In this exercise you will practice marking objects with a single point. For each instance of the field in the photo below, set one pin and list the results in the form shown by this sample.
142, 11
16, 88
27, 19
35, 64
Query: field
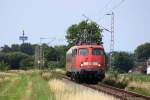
43, 85
25, 86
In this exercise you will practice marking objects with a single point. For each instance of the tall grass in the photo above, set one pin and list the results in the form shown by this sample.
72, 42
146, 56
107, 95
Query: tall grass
40, 89
16, 89
25, 85
4, 85
139, 87
138, 77
139, 83
65, 90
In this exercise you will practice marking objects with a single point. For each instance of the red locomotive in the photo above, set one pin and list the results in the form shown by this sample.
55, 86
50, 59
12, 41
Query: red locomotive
86, 61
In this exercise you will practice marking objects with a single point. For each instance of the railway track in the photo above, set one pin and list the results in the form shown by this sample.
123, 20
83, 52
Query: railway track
118, 93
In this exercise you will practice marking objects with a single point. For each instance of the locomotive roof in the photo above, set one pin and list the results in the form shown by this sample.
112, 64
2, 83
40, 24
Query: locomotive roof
87, 46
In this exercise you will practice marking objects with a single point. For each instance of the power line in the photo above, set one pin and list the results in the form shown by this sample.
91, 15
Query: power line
112, 9
117, 5
94, 21
106, 5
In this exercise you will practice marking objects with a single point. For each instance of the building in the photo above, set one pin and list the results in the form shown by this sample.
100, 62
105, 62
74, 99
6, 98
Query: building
137, 69
148, 66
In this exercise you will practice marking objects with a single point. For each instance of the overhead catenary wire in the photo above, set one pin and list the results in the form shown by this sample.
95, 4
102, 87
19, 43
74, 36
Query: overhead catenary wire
105, 6
95, 21
117, 5
111, 10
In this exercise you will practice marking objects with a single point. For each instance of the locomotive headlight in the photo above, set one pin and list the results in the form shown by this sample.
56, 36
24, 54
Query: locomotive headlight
81, 65
99, 65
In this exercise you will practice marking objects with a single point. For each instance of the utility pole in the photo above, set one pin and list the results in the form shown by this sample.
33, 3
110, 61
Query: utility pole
39, 54
37, 57
112, 38
112, 33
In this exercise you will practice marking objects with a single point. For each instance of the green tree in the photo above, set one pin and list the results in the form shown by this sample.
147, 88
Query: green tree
15, 58
51, 54
55, 55
15, 47
142, 52
6, 48
85, 31
122, 61
61, 49
27, 63
4, 57
27, 48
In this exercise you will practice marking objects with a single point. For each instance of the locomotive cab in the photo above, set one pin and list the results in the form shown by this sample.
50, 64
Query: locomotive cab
86, 61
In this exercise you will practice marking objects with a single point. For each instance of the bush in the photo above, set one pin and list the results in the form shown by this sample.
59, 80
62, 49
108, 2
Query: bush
113, 79
3, 66
53, 64
13, 58
113, 74
27, 63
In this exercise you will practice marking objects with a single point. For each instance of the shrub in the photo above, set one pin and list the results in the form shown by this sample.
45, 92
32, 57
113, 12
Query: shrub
27, 63
52, 64
3, 66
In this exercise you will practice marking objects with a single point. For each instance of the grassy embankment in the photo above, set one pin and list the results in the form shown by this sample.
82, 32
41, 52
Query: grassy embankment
66, 90
138, 83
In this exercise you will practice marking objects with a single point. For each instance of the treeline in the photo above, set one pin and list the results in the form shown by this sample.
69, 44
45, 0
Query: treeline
124, 61
22, 56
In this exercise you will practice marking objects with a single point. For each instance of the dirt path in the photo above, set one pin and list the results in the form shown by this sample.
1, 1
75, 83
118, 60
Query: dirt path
28, 92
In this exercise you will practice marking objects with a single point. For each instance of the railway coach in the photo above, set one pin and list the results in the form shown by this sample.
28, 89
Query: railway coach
86, 62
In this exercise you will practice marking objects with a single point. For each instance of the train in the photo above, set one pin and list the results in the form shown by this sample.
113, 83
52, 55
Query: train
86, 62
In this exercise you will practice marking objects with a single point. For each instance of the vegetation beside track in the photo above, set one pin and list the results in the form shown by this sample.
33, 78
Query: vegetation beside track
67, 90
138, 83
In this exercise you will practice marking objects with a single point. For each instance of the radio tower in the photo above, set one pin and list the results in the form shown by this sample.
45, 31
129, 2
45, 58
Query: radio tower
23, 38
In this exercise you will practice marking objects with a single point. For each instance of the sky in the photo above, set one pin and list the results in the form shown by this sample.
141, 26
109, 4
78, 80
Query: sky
51, 18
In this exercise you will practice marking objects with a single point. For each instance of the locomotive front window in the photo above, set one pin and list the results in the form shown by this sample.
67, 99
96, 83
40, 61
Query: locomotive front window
97, 51
83, 51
